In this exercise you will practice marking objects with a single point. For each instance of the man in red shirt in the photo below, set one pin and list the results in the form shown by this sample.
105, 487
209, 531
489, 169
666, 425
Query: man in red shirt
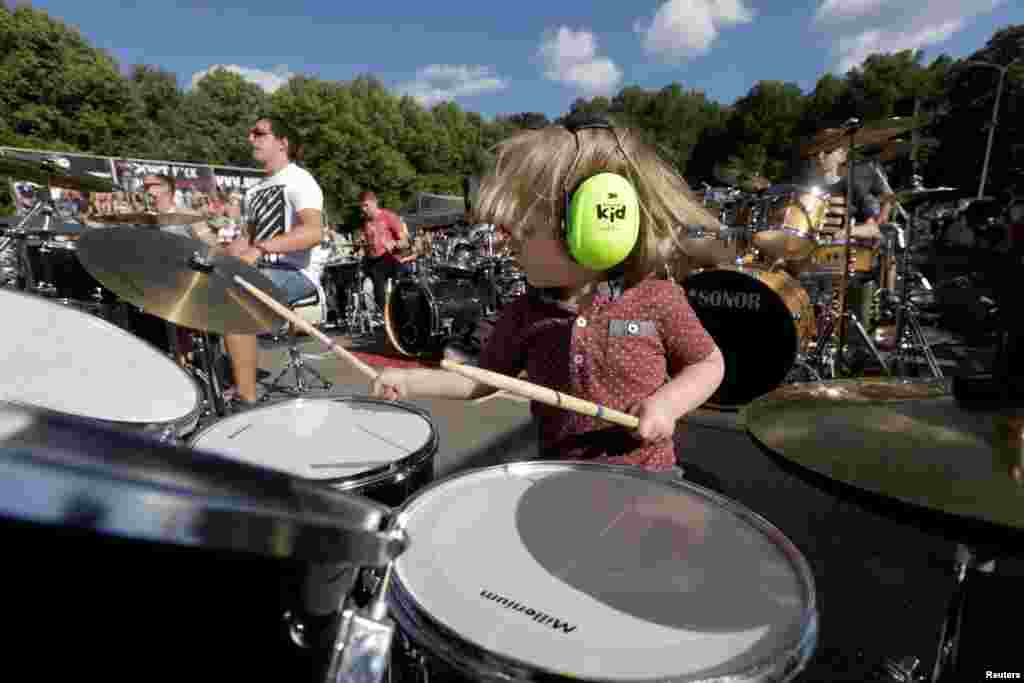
385, 236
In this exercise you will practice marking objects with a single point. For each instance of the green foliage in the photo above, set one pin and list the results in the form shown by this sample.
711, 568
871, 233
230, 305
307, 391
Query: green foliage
61, 93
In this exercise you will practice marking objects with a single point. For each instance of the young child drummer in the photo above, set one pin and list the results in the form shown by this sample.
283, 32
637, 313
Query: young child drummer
590, 212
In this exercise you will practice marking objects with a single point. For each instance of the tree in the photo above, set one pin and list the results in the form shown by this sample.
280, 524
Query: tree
59, 92
216, 116
963, 120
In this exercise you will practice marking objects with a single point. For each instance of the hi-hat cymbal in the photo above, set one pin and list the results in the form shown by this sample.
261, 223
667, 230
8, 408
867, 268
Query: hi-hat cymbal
178, 279
910, 441
866, 133
148, 218
48, 173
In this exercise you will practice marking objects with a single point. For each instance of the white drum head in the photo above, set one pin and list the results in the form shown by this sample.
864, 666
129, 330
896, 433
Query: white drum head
320, 438
62, 359
599, 573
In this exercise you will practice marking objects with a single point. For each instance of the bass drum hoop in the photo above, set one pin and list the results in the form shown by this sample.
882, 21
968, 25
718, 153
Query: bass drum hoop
425, 633
389, 327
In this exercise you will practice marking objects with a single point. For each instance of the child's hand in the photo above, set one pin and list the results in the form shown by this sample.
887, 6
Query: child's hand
391, 385
657, 419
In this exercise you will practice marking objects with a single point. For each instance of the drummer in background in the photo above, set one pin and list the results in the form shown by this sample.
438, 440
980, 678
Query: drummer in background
617, 335
284, 222
872, 197
160, 191
386, 236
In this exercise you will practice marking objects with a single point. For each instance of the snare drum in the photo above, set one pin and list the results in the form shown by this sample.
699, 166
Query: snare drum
760, 320
792, 217
378, 449
65, 360
573, 571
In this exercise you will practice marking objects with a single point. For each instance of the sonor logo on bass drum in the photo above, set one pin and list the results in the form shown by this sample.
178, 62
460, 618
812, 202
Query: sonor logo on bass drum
720, 298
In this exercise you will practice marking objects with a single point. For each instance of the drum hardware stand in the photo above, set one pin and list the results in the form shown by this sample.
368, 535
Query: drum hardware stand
359, 317
297, 363
907, 314
361, 650
207, 373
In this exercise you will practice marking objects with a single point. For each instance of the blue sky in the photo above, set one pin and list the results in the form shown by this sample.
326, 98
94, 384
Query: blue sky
531, 55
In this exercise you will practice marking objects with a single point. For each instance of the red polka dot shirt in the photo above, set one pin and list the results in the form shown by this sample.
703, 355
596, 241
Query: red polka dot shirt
616, 352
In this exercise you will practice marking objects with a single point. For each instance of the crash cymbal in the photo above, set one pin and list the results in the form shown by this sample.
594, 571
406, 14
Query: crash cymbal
906, 440
866, 133
148, 218
178, 279
49, 173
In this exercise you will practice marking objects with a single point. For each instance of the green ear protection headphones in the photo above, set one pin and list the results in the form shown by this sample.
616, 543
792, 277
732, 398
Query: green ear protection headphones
601, 216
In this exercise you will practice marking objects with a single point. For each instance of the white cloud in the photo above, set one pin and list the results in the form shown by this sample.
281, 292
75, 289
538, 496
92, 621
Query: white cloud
571, 57
268, 80
860, 28
444, 82
685, 28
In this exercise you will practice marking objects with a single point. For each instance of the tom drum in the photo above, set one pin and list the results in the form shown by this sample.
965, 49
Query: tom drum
639, 579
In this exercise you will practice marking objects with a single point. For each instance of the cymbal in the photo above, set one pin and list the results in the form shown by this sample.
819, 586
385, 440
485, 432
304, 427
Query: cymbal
181, 280
866, 133
148, 218
906, 440
49, 173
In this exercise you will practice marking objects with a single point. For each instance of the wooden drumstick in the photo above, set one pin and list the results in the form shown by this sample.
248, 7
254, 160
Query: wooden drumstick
288, 315
535, 392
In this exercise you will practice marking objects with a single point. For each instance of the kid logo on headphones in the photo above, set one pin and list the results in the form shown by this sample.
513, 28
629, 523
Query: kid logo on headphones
611, 210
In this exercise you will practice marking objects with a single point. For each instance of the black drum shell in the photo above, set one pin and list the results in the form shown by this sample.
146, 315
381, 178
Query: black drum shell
760, 321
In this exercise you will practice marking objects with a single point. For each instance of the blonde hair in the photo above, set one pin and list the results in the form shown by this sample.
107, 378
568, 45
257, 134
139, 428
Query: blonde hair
524, 190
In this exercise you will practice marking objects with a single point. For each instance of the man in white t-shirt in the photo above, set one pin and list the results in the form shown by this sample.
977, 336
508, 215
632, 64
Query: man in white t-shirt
282, 217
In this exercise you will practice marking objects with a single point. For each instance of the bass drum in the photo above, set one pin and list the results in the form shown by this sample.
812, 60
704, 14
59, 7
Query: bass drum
420, 316
760, 320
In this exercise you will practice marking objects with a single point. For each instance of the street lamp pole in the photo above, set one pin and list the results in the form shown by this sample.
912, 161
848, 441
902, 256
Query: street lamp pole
995, 118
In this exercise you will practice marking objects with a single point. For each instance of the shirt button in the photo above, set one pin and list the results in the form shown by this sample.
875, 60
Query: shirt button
578, 359
581, 322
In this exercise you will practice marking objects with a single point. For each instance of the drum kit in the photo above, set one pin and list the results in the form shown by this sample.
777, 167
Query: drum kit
452, 278
784, 259
346, 560
210, 539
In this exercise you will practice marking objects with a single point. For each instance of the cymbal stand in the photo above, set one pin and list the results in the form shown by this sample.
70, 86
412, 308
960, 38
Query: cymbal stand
907, 319
359, 316
206, 369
